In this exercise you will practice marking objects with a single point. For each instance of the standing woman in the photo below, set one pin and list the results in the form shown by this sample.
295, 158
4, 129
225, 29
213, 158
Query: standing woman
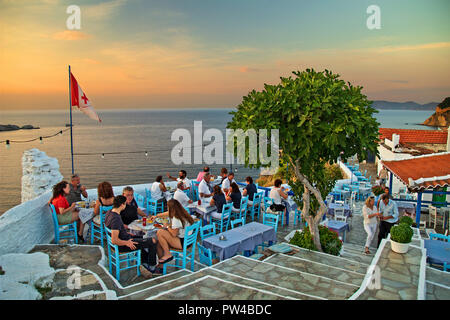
370, 221
65, 214
173, 236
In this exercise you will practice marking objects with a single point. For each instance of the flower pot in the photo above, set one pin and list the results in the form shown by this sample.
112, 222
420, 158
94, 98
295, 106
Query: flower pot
399, 247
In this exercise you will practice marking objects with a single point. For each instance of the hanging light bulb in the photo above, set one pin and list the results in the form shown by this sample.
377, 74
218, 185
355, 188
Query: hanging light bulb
60, 132
146, 153
40, 138
103, 156
7, 144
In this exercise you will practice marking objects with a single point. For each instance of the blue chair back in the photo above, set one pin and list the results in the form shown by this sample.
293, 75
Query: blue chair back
97, 230
224, 221
132, 259
271, 220
140, 200
188, 253
207, 231
256, 206
438, 236
69, 232
195, 195
236, 222
205, 255
267, 203
243, 208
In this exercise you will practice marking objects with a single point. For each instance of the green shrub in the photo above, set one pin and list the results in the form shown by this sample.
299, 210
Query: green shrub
377, 190
407, 220
402, 233
329, 240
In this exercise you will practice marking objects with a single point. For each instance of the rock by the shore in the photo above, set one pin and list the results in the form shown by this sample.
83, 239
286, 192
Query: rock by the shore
441, 118
12, 127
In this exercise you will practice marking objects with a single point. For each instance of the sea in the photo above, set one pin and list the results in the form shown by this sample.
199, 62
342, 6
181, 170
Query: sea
128, 147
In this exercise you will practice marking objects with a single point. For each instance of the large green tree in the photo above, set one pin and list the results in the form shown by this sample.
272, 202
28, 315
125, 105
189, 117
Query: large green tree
320, 118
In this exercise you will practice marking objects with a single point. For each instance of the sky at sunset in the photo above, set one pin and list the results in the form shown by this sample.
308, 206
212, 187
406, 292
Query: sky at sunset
209, 53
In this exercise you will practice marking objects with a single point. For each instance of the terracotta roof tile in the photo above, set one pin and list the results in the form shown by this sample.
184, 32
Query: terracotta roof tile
415, 136
435, 168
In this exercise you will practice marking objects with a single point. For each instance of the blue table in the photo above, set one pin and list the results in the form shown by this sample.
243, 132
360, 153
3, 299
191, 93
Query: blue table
339, 226
438, 251
244, 238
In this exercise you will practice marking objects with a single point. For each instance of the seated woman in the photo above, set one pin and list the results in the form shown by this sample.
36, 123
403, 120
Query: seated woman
235, 196
277, 194
173, 235
217, 200
105, 196
65, 214
249, 190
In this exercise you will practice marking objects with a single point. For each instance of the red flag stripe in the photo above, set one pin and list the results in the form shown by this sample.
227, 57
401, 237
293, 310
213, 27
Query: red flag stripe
74, 90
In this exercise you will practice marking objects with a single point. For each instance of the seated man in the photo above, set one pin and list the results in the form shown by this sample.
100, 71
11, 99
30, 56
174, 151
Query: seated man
181, 177
76, 190
204, 188
227, 183
202, 173
181, 196
131, 211
127, 242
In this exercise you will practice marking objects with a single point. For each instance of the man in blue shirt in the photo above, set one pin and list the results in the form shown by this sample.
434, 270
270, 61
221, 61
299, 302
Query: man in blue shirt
388, 215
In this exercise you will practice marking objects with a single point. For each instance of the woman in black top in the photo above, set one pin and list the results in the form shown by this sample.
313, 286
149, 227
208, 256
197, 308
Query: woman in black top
235, 196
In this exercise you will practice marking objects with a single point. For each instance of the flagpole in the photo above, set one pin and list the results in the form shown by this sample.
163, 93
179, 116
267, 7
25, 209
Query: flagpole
70, 108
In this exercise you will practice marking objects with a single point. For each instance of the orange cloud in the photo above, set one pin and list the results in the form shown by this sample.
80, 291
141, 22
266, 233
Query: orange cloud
70, 35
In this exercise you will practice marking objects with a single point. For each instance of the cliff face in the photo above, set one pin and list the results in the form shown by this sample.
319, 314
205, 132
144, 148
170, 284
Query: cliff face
441, 118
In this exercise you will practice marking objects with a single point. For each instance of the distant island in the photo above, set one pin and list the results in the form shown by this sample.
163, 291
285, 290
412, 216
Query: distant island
410, 105
12, 127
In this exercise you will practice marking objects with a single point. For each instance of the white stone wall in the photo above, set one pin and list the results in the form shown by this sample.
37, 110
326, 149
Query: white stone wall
39, 173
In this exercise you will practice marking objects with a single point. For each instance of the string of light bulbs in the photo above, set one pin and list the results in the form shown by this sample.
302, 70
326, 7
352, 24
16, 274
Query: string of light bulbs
41, 138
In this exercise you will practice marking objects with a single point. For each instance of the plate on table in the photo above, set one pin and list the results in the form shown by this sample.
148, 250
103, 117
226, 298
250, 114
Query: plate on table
162, 220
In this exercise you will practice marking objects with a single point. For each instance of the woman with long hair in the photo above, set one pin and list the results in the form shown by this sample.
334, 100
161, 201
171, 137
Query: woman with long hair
105, 196
172, 236
370, 221
65, 214
235, 196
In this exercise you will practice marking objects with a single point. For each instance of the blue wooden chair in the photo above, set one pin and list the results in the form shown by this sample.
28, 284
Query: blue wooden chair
255, 208
154, 207
97, 229
271, 220
194, 186
224, 221
116, 259
243, 212
207, 231
267, 203
236, 222
438, 236
182, 257
205, 255
297, 216
140, 200
63, 231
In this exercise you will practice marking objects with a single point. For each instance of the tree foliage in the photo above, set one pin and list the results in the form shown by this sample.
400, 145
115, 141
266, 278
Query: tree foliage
320, 117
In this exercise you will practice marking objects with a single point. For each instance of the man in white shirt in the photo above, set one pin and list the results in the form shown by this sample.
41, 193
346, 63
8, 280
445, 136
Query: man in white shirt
227, 182
181, 177
180, 196
388, 215
204, 189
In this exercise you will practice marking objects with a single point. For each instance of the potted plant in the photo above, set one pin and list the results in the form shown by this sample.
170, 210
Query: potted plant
401, 236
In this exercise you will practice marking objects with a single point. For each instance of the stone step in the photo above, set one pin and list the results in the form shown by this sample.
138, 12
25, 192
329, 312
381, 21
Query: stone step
159, 287
358, 247
437, 276
320, 269
437, 292
330, 260
288, 278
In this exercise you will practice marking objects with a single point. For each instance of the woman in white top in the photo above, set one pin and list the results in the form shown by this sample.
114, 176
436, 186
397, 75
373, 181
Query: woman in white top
173, 235
370, 221
277, 194
158, 188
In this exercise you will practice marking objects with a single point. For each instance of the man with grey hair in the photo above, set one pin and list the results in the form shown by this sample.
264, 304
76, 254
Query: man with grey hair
76, 190
131, 210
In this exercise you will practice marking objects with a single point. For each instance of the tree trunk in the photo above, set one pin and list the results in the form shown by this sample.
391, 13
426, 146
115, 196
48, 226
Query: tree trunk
313, 221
